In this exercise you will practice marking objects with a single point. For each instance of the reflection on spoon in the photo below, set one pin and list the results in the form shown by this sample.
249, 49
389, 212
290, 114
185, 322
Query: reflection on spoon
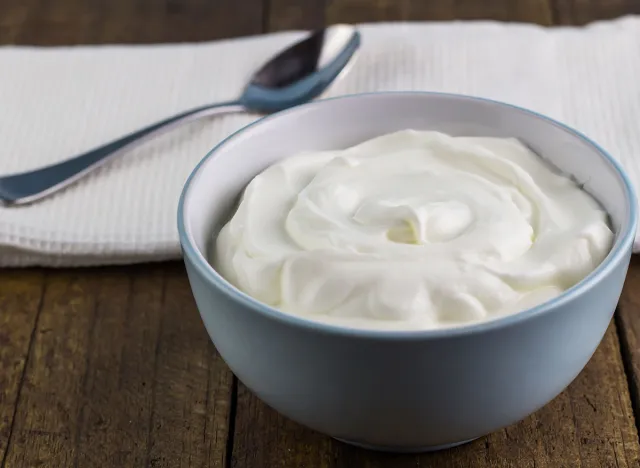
294, 76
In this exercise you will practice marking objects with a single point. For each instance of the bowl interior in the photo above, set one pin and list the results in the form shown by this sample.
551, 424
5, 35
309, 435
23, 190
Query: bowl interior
338, 123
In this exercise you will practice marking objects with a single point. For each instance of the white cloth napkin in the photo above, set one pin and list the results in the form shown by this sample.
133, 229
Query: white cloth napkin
59, 102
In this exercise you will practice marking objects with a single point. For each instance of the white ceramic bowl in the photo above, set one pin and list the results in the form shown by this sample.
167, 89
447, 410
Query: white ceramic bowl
402, 390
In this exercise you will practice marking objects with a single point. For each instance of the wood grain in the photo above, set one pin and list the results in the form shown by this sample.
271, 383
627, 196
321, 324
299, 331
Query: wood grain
45, 427
192, 386
586, 11
20, 300
356, 11
294, 14
64, 22
118, 383
628, 320
121, 373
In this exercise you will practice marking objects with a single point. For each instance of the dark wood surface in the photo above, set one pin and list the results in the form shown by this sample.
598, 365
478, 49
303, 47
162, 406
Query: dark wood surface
112, 366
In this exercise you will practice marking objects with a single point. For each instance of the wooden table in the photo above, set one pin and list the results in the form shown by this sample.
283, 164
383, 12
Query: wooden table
112, 366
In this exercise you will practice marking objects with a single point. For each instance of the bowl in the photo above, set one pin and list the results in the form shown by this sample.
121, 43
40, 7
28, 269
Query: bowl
402, 391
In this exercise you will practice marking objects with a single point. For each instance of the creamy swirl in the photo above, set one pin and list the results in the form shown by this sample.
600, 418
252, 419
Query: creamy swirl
412, 230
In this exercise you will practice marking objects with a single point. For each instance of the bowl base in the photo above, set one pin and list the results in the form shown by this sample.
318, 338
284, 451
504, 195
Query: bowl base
382, 448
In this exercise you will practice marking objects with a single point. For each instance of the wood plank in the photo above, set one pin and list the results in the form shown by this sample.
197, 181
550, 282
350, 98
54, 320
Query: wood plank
358, 11
590, 424
45, 22
292, 14
585, 11
121, 373
118, 382
45, 427
20, 299
192, 387
628, 319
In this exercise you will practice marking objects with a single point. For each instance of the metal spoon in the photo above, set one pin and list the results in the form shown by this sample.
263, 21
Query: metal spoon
294, 76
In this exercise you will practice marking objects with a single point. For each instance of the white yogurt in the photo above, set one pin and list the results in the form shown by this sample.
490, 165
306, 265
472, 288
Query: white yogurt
412, 230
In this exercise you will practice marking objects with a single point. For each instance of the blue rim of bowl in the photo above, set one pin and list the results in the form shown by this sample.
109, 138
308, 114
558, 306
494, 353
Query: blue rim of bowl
622, 244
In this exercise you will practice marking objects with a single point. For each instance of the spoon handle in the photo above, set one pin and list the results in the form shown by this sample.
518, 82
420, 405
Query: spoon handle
31, 186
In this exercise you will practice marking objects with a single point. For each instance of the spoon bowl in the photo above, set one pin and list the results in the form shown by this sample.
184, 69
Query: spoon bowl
303, 71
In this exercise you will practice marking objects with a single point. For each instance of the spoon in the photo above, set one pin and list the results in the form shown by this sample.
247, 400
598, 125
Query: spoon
296, 75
